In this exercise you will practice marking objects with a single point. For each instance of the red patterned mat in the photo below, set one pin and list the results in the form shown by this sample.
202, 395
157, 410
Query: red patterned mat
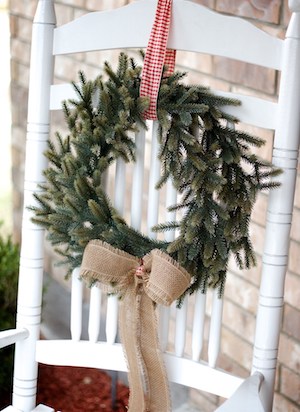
71, 389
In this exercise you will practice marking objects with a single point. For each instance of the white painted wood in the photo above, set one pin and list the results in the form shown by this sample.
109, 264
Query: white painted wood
11, 336
198, 326
138, 181
94, 314
247, 395
164, 312
31, 265
180, 328
76, 305
294, 5
215, 329
171, 199
200, 376
43, 408
100, 355
111, 327
163, 331
279, 216
224, 36
179, 370
111, 319
253, 110
154, 175
120, 186
60, 93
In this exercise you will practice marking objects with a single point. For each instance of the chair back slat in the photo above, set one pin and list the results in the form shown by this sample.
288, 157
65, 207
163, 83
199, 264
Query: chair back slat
94, 314
120, 189
138, 181
111, 327
180, 328
253, 110
76, 305
163, 327
154, 175
234, 38
171, 199
215, 329
198, 326
233, 35
170, 216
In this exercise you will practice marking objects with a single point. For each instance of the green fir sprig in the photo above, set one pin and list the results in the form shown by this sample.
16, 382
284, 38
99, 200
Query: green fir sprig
210, 164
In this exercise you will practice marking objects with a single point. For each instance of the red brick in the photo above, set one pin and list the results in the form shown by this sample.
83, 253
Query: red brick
260, 209
257, 236
294, 257
291, 321
290, 384
289, 353
104, 4
286, 13
20, 51
64, 14
239, 320
13, 23
292, 289
205, 401
265, 10
297, 194
295, 229
236, 348
194, 61
206, 3
247, 74
281, 404
24, 29
242, 293
73, 3
23, 8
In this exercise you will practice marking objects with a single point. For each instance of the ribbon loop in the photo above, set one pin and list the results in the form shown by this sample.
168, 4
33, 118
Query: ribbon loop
156, 56
157, 279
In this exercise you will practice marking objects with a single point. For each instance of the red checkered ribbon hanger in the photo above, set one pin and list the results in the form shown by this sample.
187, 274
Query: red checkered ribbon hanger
157, 56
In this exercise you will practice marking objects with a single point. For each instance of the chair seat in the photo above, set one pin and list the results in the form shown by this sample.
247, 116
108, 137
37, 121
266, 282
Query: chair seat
107, 356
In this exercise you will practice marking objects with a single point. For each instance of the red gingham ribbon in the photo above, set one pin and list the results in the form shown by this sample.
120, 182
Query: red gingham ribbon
157, 56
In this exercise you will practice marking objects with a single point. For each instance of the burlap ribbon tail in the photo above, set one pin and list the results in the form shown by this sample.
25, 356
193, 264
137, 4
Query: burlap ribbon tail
140, 284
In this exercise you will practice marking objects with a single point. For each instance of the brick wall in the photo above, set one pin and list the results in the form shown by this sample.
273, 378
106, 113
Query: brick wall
242, 288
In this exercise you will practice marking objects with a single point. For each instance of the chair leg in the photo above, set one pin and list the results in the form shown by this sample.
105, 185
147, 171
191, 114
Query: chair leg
114, 378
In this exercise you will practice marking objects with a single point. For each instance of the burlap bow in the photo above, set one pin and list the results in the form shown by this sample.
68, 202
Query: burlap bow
155, 279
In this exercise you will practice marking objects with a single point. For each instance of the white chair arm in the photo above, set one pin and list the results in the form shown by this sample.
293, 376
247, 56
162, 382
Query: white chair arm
246, 397
11, 336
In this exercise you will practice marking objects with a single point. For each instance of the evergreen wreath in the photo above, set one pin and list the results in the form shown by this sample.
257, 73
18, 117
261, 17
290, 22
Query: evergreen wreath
210, 164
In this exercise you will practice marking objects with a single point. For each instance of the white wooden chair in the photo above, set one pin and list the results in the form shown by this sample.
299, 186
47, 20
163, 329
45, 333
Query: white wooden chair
224, 36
